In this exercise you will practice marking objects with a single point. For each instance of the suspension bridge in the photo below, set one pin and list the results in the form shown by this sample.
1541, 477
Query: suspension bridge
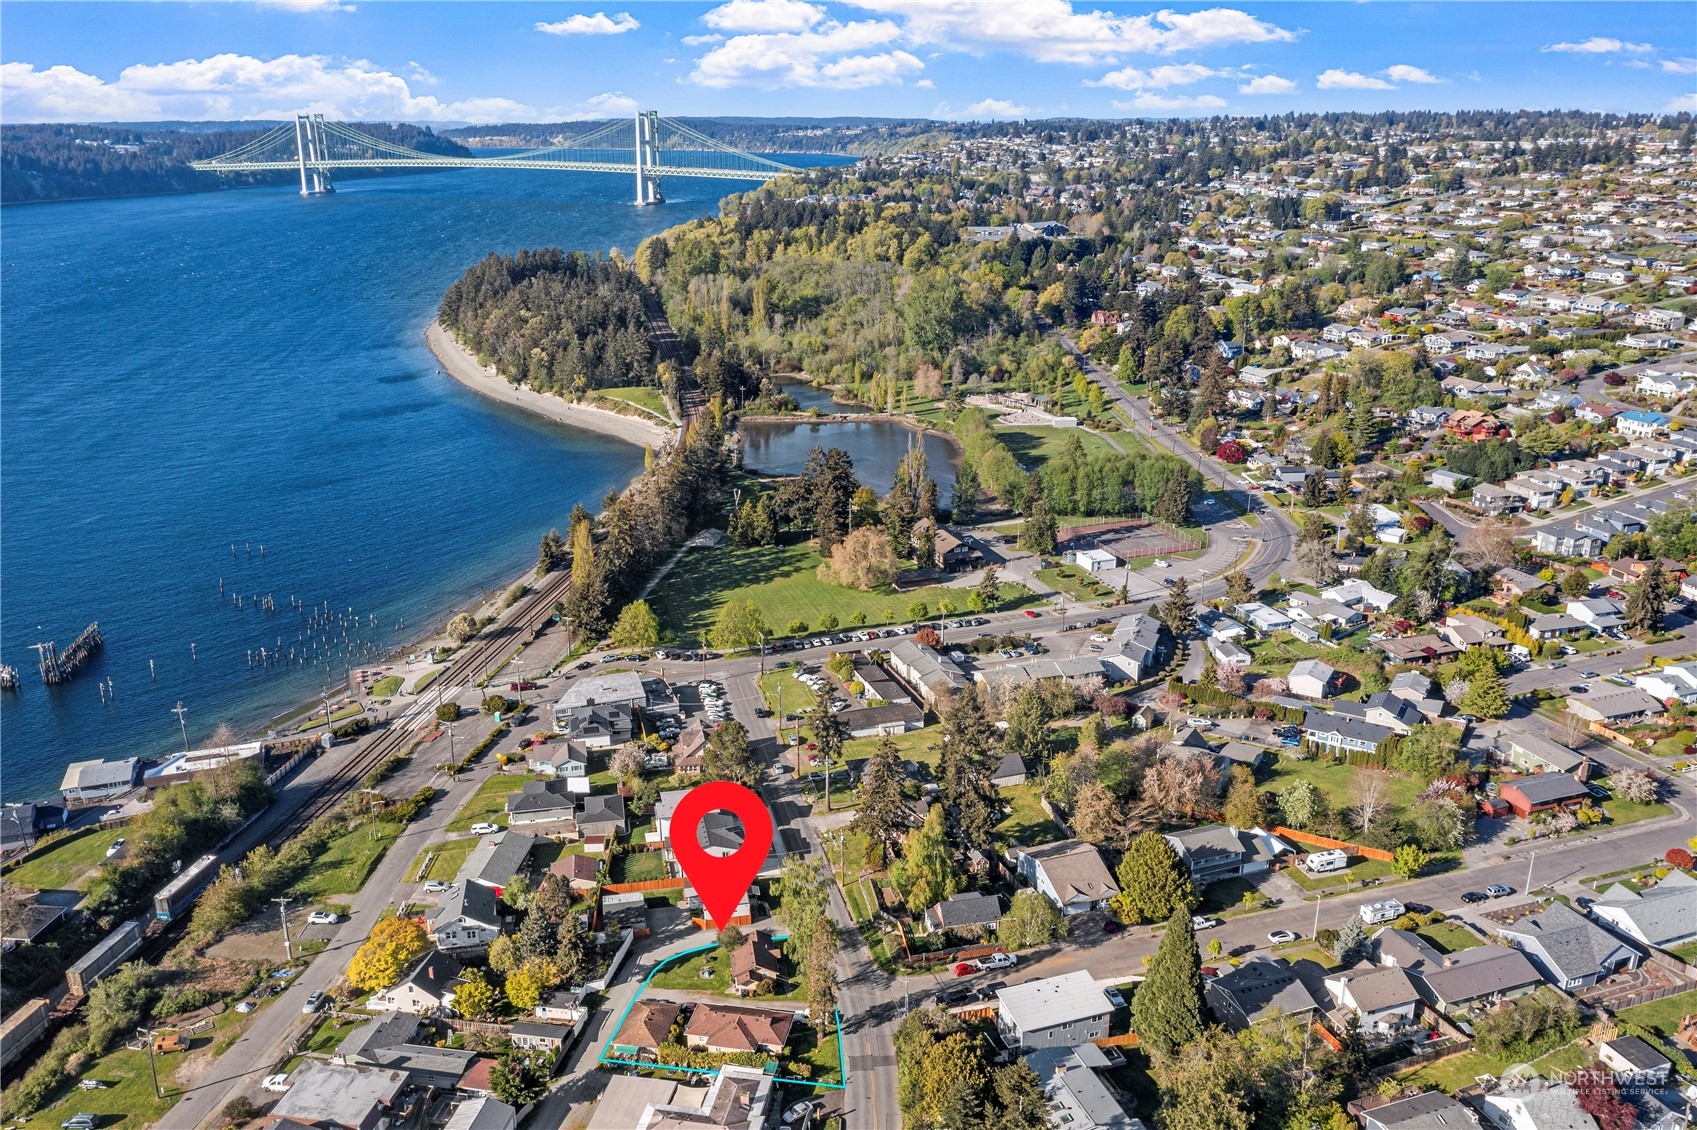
646, 146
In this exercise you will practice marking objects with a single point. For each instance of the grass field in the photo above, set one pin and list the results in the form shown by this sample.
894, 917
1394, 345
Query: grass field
1333, 780
915, 745
489, 802
639, 396
1026, 822
783, 583
1035, 445
345, 866
1075, 582
127, 1100
1627, 812
386, 686
1662, 1017
1450, 937
445, 860
639, 866
60, 866
1366, 869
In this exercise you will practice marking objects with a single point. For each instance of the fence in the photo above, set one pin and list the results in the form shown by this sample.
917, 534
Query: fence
599, 985
644, 885
1313, 840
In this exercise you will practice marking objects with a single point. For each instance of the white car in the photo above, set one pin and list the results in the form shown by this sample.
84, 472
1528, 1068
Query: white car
485, 829
1115, 997
277, 1083
1203, 922
116, 847
1161, 563
322, 918
1198, 723
437, 887
1280, 937
998, 961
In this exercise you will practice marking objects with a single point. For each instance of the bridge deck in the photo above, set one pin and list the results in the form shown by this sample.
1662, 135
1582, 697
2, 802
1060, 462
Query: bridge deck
627, 168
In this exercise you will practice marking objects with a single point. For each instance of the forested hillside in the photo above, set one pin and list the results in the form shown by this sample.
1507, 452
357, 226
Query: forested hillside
557, 322
72, 162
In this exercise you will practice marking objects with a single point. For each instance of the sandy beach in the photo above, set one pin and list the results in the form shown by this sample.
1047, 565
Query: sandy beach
459, 363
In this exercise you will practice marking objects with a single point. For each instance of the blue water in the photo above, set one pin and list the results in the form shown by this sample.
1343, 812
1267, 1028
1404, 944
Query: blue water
185, 373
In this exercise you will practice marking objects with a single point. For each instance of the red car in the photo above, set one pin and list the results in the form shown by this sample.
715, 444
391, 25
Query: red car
964, 969
1031, 612
527, 685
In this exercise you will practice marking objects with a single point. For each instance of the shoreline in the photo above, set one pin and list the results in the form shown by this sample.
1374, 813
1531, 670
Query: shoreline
459, 363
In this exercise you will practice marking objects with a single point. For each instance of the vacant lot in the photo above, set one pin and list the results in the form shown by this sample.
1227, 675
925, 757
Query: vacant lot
1333, 780
1026, 822
783, 583
67, 862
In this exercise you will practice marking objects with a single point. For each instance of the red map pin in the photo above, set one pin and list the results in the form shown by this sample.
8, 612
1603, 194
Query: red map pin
720, 880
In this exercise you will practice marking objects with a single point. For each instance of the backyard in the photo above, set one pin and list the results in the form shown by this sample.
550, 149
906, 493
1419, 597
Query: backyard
1026, 823
66, 862
783, 582
489, 803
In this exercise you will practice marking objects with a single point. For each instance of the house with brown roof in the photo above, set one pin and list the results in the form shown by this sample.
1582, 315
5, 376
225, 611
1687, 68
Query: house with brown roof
755, 965
687, 751
1475, 426
580, 872
738, 1028
647, 1025
1424, 648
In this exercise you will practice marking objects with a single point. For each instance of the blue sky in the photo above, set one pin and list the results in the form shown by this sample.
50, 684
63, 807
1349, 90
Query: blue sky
978, 59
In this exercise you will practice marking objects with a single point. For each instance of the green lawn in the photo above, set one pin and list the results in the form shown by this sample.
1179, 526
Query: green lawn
1333, 780
1075, 582
1662, 1017
1686, 953
445, 859
797, 696
329, 1035
60, 866
1366, 869
1026, 822
1035, 445
1450, 937
639, 866
783, 583
685, 976
915, 745
386, 686
489, 802
128, 1100
640, 396
349, 711
347, 863
1627, 812
1323, 958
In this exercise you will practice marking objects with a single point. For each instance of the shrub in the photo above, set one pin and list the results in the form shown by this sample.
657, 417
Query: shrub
1680, 858
240, 1109
448, 712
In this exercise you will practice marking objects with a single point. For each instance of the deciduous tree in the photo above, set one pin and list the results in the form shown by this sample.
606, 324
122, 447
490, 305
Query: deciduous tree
637, 626
1244, 806
739, 625
728, 756
1032, 920
392, 946
926, 874
1408, 861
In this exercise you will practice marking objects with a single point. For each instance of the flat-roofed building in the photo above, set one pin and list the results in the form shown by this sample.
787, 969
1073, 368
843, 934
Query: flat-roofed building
1054, 1012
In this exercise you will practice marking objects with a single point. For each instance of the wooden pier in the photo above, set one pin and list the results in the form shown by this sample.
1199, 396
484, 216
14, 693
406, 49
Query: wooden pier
57, 668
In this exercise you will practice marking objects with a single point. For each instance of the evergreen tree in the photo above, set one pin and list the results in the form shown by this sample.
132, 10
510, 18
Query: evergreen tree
1172, 505
1315, 492
1154, 883
1647, 601
1166, 1012
827, 735
1178, 611
728, 756
553, 554
964, 764
883, 813
1239, 588
1027, 733
1486, 696
989, 589
537, 937
571, 949
1037, 533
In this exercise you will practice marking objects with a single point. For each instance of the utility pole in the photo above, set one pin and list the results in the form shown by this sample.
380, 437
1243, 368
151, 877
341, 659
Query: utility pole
181, 712
1531, 857
1316, 931
147, 1035
283, 915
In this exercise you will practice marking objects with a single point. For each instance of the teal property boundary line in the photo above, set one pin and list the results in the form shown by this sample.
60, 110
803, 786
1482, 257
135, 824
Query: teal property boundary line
607, 1059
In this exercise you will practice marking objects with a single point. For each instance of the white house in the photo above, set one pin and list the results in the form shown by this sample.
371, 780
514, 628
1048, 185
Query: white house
1311, 679
1358, 593
1382, 997
1071, 873
1598, 613
1535, 1105
1263, 618
466, 918
1092, 560
424, 991
1641, 425
1676, 681
1664, 915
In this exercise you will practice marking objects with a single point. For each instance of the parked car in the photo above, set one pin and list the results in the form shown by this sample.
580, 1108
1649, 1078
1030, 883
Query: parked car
1588, 675
117, 846
485, 829
437, 887
1203, 922
1556, 665
80, 1122
965, 969
991, 989
953, 996
1474, 896
1115, 997
322, 918
278, 1082
246, 1007
1280, 937
998, 961
1031, 612
314, 1002
797, 1112
1498, 891
522, 685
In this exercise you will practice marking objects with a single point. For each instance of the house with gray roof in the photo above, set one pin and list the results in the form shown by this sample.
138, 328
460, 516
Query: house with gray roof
380, 1032
1053, 1012
1430, 1110
1010, 771
1077, 1097
1071, 873
1378, 998
1218, 851
602, 815
1537, 1104
1569, 950
327, 1094
1534, 753
1475, 978
543, 802
496, 859
1664, 915
1261, 988
90, 782
467, 918
928, 673
1140, 646
1415, 687
1335, 731
969, 912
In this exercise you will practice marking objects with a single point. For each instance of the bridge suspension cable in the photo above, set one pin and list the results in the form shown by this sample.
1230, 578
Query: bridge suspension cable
646, 145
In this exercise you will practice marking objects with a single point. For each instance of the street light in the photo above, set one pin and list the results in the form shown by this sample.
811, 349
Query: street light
1531, 857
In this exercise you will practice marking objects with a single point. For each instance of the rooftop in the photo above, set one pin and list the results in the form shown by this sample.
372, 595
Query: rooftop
1053, 1001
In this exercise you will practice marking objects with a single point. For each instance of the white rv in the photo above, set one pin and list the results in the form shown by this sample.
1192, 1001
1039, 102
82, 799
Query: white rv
1321, 862
1382, 911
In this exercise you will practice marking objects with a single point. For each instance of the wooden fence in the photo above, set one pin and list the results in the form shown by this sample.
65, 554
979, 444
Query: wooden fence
1123, 1040
644, 885
1312, 840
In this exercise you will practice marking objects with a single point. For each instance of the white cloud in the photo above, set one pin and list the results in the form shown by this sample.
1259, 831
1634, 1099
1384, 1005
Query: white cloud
418, 73
1599, 45
600, 23
925, 84
1267, 84
1350, 80
764, 15
1156, 78
307, 5
1685, 102
613, 104
1150, 101
1680, 66
1050, 31
702, 40
233, 86
996, 108
1402, 72
831, 54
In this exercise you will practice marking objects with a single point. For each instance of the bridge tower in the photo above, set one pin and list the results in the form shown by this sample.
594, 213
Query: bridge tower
648, 158
311, 147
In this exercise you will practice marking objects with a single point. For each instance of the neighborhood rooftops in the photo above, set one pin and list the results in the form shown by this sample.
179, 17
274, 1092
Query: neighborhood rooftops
1053, 1001
1663, 915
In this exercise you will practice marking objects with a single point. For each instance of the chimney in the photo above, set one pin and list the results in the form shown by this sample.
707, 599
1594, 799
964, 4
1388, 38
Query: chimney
430, 971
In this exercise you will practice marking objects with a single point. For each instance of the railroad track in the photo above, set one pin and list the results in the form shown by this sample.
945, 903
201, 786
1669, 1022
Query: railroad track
468, 666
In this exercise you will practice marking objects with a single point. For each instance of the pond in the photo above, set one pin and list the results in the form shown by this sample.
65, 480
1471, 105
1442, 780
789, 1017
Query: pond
876, 446
809, 397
